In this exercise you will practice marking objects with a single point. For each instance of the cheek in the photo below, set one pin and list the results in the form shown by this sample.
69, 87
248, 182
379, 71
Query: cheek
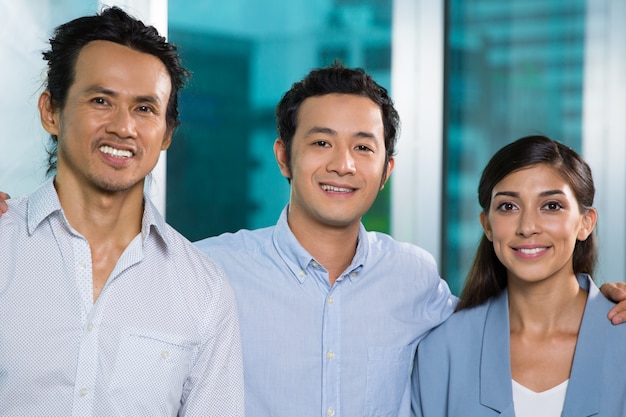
566, 231
499, 249
501, 229
304, 165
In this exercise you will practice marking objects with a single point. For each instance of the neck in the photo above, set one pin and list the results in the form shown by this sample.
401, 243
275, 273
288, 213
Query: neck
332, 247
100, 216
546, 306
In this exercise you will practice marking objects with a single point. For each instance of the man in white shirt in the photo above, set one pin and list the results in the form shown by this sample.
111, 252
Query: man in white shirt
106, 310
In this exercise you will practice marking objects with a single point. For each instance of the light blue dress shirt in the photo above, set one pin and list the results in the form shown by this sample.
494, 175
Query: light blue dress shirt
161, 340
463, 367
310, 349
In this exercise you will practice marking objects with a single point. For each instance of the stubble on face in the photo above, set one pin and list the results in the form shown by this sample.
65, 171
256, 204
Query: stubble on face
112, 128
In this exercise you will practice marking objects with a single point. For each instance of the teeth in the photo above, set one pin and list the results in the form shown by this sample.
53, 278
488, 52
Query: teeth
116, 152
532, 251
336, 189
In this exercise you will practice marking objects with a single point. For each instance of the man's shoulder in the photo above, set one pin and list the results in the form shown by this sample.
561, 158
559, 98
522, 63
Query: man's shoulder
17, 208
183, 251
17, 215
385, 245
241, 240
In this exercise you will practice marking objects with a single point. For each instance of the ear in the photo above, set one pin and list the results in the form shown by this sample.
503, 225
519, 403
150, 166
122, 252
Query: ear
390, 166
280, 152
484, 221
588, 222
167, 140
48, 114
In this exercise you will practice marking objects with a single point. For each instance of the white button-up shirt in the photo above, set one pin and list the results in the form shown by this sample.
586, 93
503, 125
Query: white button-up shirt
162, 338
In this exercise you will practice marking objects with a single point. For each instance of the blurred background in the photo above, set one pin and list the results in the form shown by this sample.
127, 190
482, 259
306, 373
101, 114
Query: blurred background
467, 77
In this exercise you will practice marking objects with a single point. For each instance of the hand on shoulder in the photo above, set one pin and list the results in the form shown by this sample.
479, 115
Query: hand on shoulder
3, 205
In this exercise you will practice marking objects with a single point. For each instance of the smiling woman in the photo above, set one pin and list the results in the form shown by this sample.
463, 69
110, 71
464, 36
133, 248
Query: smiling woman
531, 324
534, 223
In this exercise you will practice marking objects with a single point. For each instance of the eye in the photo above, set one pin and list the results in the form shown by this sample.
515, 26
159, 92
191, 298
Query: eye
146, 109
322, 144
99, 100
553, 206
506, 206
364, 148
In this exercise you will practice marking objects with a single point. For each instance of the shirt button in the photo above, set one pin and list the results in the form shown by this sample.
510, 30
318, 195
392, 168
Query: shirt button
302, 273
314, 264
165, 354
90, 327
353, 274
82, 265
330, 411
330, 355
331, 300
83, 391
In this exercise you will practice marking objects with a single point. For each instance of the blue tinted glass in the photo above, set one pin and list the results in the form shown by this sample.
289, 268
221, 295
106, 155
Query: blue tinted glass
514, 68
244, 54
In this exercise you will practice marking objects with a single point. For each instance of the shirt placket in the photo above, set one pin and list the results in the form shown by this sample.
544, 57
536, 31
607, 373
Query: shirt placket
87, 365
331, 351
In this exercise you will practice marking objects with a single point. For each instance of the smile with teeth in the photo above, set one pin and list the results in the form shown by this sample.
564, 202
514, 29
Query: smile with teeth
532, 251
334, 189
119, 153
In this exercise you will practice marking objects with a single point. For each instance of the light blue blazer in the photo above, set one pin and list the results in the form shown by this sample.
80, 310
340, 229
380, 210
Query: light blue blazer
462, 368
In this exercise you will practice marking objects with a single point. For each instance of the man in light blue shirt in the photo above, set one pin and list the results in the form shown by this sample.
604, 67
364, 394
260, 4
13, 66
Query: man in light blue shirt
330, 313
105, 310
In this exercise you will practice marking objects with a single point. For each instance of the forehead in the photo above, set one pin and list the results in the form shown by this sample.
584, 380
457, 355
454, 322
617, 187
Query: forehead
341, 112
536, 178
122, 70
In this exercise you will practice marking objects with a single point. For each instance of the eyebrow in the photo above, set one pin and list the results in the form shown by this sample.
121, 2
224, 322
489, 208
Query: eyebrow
108, 92
547, 193
332, 132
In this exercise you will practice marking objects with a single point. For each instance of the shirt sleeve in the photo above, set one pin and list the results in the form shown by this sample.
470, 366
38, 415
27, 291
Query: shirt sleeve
438, 302
429, 379
215, 385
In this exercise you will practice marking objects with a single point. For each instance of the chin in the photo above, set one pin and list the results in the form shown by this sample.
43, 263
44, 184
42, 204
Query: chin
339, 223
116, 186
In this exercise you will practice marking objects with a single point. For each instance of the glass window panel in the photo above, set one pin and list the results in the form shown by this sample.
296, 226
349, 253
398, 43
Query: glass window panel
25, 27
244, 54
514, 68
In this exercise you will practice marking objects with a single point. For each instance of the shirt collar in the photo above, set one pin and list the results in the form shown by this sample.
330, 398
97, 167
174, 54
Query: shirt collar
298, 259
153, 219
44, 202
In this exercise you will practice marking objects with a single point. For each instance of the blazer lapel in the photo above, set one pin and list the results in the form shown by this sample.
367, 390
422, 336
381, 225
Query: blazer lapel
584, 388
495, 364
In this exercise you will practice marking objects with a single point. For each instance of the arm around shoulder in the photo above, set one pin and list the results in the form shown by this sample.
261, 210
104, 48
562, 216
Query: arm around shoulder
3, 204
616, 292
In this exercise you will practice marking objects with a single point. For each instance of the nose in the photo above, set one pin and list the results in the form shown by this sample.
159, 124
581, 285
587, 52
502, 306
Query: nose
342, 161
528, 224
122, 124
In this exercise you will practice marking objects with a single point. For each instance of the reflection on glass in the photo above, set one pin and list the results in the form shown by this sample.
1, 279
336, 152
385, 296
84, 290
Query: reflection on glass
514, 68
244, 54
